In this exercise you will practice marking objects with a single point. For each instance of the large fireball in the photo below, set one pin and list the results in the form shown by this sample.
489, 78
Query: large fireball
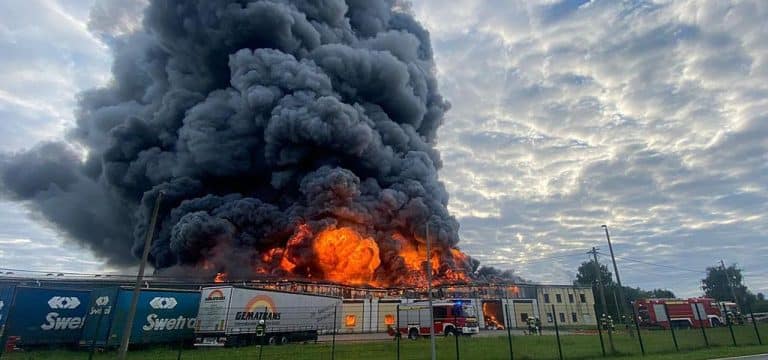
345, 256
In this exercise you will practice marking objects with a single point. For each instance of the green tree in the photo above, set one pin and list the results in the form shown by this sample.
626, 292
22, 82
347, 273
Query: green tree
721, 284
586, 275
661, 294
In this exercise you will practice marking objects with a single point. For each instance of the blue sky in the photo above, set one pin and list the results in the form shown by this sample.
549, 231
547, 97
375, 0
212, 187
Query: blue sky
648, 116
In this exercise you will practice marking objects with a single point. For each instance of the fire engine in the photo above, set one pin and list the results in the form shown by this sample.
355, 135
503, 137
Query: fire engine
683, 313
449, 318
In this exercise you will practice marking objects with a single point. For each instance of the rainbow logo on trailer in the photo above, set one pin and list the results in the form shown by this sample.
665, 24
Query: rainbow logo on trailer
260, 307
215, 295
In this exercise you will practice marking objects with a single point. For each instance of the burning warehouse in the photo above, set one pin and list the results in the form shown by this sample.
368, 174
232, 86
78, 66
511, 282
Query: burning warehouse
288, 139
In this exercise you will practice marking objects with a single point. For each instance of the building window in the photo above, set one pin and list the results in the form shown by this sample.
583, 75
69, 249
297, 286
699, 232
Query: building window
350, 320
524, 317
562, 318
574, 318
550, 318
546, 298
559, 298
583, 298
570, 298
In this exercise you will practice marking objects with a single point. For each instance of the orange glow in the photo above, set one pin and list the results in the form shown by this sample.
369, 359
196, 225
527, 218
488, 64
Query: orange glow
389, 319
345, 256
220, 277
350, 320
349, 256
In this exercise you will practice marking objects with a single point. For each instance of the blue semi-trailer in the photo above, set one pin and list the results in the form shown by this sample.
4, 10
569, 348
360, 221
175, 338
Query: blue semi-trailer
162, 316
43, 316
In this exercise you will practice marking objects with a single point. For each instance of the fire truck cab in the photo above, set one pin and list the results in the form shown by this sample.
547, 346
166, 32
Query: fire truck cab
449, 318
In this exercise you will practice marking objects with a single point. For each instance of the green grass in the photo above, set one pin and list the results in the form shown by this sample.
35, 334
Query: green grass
658, 345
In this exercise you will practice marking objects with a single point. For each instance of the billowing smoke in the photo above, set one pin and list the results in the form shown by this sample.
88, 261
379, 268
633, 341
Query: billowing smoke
264, 123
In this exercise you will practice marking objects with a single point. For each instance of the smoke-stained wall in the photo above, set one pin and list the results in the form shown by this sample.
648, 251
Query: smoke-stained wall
252, 117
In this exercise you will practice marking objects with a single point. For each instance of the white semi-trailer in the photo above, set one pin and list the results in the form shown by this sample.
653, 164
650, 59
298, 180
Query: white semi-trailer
230, 316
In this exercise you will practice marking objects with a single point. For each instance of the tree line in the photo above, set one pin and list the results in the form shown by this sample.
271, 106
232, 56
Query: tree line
721, 284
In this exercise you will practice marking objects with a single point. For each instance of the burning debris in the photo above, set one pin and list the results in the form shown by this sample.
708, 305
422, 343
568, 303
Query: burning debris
288, 138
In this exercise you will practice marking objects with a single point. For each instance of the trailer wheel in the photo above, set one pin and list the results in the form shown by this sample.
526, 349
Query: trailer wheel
413, 334
272, 340
283, 340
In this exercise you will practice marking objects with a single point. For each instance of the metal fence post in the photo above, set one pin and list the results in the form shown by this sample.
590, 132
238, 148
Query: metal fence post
600, 334
671, 328
181, 346
397, 330
730, 328
754, 323
333, 339
509, 329
701, 323
456, 337
557, 333
96, 334
637, 326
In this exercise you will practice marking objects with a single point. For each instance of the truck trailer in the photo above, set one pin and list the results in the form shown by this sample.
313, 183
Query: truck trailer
231, 316
679, 313
162, 316
43, 316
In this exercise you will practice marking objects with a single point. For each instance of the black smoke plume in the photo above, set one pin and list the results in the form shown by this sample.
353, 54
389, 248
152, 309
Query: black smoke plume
252, 117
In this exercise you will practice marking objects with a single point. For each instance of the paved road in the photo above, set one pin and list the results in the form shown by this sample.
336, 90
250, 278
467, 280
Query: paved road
748, 357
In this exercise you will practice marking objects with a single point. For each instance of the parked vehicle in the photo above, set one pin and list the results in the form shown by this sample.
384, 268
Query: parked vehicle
448, 318
37, 316
683, 313
162, 316
230, 316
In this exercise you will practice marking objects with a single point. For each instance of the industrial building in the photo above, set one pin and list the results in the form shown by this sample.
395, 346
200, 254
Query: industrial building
372, 310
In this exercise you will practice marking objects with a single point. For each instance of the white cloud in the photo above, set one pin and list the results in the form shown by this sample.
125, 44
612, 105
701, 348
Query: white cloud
648, 116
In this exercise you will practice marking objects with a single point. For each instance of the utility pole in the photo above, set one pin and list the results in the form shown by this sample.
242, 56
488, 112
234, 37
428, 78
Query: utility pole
121, 353
728, 280
598, 274
616, 271
429, 296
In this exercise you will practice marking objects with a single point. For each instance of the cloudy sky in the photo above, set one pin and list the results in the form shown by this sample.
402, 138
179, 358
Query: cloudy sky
648, 116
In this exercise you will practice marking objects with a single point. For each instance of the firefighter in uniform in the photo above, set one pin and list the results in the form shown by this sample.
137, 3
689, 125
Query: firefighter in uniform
261, 330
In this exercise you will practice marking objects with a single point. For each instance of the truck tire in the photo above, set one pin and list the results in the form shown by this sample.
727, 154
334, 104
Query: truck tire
449, 331
272, 340
283, 340
413, 334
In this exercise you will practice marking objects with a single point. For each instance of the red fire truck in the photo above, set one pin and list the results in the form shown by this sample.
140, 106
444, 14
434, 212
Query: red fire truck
449, 318
683, 313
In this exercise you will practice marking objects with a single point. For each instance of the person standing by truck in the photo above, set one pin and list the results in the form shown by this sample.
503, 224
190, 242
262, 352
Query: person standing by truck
261, 330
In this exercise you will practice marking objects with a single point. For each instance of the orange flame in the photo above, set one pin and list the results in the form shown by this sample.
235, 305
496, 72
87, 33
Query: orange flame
220, 277
347, 257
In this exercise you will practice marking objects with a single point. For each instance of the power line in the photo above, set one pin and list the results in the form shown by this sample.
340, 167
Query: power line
659, 265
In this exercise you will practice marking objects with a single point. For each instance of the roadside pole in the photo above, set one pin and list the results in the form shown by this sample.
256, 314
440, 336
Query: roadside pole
754, 324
